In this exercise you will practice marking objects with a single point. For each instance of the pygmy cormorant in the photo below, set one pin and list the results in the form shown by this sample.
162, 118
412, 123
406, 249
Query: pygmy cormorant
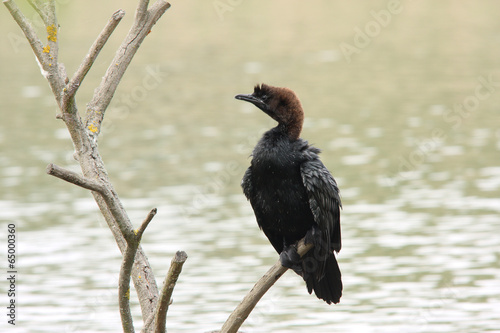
293, 194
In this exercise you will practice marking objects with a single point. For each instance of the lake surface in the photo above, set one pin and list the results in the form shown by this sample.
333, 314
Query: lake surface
403, 100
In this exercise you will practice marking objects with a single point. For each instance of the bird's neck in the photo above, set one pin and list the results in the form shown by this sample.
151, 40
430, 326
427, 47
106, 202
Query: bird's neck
291, 129
275, 151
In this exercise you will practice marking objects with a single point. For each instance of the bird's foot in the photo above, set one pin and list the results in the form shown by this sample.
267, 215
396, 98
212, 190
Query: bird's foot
290, 258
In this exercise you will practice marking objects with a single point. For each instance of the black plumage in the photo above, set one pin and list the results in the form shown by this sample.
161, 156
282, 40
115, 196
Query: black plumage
293, 194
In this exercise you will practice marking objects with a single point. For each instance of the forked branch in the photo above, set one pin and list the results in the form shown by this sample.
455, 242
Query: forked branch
94, 176
144, 21
126, 271
91, 56
29, 32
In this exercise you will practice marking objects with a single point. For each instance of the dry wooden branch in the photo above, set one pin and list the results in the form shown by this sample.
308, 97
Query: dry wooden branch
74, 178
47, 56
87, 63
84, 136
28, 31
52, 28
144, 21
37, 6
142, 9
242, 311
145, 223
124, 288
167, 290
126, 271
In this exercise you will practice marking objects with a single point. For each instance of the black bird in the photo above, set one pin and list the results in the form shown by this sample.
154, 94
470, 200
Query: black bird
293, 194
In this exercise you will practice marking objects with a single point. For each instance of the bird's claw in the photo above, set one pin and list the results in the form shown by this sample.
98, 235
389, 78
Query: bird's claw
290, 258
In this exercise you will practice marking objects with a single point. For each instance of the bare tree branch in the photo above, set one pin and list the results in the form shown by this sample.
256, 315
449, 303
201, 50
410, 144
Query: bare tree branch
83, 137
74, 178
145, 223
167, 290
46, 55
94, 50
112, 204
142, 9
125, 273
144, 281
103, 94
242, 311
52, 28
40, 11
124, 288
29, 32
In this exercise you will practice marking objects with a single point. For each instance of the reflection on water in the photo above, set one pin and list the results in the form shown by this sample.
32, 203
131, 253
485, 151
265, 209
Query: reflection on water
420, 176
404, 270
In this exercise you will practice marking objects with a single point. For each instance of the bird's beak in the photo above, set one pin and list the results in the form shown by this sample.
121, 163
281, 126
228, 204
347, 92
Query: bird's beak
252, 99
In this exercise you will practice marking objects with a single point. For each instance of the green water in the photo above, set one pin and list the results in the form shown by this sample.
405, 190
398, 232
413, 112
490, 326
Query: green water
402, 99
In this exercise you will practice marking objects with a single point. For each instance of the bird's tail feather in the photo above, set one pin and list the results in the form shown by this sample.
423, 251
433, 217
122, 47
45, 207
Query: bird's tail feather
322, 276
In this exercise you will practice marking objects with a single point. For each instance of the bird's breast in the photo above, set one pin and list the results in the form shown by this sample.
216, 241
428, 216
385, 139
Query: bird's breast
280, 198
